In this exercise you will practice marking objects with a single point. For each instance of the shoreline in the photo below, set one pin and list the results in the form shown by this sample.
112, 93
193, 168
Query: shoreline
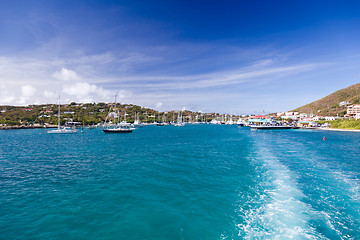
26, 127
339, 129
54, 126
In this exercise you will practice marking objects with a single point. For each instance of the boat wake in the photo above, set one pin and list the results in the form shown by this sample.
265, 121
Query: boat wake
301, 193
278, 210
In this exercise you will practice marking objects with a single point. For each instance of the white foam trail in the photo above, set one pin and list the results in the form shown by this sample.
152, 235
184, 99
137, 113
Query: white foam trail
340, 197
350, 183
278, 213
338, 202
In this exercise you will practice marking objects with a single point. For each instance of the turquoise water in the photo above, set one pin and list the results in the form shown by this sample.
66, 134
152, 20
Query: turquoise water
192, 182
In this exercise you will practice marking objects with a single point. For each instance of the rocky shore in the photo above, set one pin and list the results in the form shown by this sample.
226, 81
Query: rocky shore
26, 127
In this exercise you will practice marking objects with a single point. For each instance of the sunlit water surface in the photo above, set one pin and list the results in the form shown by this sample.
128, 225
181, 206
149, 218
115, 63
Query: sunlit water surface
191, 182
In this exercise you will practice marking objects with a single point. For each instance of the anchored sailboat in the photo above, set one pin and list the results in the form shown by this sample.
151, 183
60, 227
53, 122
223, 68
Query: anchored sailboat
180, 122
62, 129
115, 127
137, 122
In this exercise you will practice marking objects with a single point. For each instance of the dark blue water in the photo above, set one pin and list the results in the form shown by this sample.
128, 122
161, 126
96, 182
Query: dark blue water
192, 182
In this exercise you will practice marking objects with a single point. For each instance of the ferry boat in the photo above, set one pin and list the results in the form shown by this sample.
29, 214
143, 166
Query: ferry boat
269, 124
270, 127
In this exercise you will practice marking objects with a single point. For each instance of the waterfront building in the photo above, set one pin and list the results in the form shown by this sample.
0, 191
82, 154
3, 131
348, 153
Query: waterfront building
305, 124
353, 110
293, 117
317, 118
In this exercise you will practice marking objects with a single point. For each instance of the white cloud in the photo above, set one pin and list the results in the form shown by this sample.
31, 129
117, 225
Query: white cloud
99, 77
66, 75
28, 91
86, 92
6, 96
79, 89
49, 94
158, 105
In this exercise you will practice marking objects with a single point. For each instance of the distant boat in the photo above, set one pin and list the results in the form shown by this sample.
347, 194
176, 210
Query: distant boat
180, 122
241, 123
270, 127
115, 127
214, 121
163, 123
230, 121
118, 130
137, 122
62, 129
268, 124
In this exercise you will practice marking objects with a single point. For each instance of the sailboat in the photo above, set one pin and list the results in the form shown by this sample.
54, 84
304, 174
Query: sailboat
62, 129
137, 122
163, 122
124, 123
180, 122
115, 127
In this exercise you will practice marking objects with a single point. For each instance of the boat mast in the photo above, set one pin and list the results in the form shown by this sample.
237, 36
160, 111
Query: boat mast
59, 115
115, 112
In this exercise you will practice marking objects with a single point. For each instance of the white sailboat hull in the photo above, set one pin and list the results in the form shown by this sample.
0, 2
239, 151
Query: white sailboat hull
62, 131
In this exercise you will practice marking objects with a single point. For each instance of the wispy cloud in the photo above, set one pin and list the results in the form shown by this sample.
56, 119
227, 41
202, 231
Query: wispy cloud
96, 78
256, 72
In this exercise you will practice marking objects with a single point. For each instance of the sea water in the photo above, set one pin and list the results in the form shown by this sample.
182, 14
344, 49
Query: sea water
191, 182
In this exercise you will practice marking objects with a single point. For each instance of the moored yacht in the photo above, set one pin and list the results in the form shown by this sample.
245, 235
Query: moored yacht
62, 129
116, 127
180, 122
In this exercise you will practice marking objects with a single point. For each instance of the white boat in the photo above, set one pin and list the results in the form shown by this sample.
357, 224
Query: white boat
62, 129
230, 121
137, 123
270, 127
118, 130
241, 123
180, 122
270, 124
214, 121
115, 127
163, 122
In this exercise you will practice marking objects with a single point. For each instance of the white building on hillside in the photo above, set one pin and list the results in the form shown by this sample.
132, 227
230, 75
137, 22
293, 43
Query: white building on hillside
328, 118
353, 110
344, 103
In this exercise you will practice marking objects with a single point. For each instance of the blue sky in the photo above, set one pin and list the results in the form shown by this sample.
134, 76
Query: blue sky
212, 56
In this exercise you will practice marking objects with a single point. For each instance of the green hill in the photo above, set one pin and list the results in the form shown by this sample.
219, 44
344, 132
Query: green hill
89, 114
329, 105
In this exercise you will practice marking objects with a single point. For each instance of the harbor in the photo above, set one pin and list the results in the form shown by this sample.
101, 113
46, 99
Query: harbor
182, 179
179, 120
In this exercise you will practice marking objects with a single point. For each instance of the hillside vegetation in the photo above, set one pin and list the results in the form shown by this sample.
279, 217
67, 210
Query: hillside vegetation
89, 114
343, 123
329, 105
